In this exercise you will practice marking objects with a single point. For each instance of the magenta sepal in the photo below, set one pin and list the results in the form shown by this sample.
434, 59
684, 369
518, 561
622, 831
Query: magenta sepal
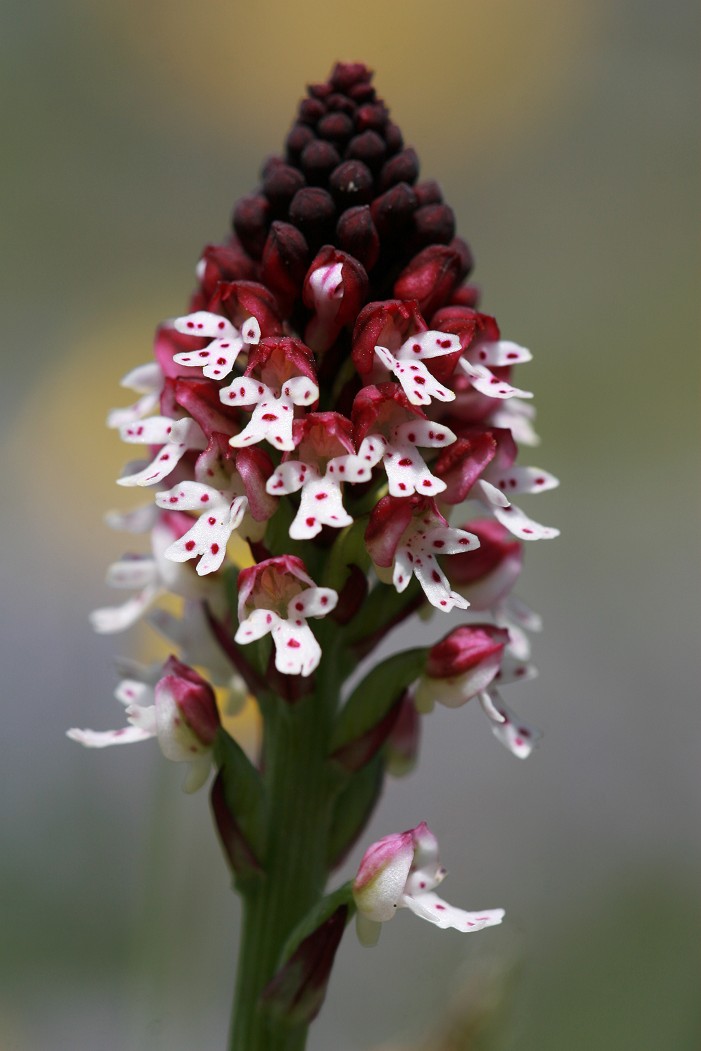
431, 277
334, 290
194, 698
227, 262
388, 324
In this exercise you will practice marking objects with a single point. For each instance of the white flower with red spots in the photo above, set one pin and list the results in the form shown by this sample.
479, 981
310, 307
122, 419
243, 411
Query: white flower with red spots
319, 474
180, 711
175, 437
152, 575
497, 354
419, 385
494, 485
402, 870
279, 376
218, 358
469, 662
408, 535
275, 598
146, 380
222, 513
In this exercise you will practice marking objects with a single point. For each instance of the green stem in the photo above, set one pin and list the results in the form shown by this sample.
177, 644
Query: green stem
299, 786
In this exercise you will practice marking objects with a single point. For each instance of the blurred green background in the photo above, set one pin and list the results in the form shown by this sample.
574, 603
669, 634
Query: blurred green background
565, 135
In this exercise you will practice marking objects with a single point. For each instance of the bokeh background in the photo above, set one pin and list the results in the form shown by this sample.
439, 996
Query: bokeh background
564, 133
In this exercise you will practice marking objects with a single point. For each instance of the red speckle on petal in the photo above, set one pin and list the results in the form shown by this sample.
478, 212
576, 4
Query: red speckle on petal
512, 355
293, 644
436, 577
211, 520
463, 541
269, 417
427, 483
204, 354
173, 500
518, 741
439, 543
320, 496
204, 498
214, 549
405, 462
441, 908
419, 380
299, 606
416, 348
220, 325
412, 437
268, 619
540, 481
324, 600
310, 521
189, 545
529, 531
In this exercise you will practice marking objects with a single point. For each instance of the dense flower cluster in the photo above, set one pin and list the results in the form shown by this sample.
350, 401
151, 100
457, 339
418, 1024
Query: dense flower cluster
330, 435
335, 398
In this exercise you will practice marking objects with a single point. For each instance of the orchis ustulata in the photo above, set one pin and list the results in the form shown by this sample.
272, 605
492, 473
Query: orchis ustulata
402, 871
335, 400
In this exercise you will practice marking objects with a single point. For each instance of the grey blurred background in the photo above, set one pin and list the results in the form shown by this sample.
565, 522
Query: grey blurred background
565, 136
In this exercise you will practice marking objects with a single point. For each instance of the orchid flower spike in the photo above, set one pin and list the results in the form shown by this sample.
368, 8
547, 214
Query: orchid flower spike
401, 871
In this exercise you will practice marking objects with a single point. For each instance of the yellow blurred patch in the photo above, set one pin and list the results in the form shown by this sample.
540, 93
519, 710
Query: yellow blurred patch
494, 68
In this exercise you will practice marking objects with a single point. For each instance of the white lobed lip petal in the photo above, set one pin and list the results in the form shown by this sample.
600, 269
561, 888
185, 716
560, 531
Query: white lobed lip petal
521, 525
296, 650
314, 602
431, 344
512, 732
417, 382
257, 624
216, 360
204, 323
106, 738
132, 573
498, 353
321, 504
111, 619
521, 480
139, 520
430, 907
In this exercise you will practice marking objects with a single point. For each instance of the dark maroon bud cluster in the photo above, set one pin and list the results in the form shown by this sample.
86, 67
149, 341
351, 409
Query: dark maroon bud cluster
347, 180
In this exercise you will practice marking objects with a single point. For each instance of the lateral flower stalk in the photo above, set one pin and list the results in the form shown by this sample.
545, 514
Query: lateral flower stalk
330, 430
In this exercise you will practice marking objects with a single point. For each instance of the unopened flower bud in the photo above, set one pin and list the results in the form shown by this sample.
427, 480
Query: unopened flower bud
461, 665
357, 235
430, 278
